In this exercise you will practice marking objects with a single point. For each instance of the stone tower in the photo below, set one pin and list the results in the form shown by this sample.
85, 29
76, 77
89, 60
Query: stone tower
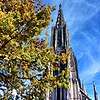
60, 42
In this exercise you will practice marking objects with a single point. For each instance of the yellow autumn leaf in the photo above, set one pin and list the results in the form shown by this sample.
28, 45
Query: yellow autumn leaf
25, 74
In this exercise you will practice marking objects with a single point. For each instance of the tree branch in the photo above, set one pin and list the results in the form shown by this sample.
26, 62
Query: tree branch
16, 35
6, 43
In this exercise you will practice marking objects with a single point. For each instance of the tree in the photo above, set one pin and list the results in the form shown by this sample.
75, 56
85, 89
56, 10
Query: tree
25, 59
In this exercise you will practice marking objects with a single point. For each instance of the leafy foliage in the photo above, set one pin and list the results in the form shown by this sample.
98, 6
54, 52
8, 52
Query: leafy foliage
25, 60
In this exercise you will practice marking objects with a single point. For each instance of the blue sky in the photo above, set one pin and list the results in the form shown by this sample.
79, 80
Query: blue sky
83, 20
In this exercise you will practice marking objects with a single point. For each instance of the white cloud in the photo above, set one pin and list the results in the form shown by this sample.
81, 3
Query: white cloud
90, 71
77, 12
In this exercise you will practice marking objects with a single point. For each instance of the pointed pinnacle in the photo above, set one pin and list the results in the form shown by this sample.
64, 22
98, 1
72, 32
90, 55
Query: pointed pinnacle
60, 7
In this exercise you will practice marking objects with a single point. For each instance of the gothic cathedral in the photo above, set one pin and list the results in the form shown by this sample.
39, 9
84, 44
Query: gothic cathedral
60, 41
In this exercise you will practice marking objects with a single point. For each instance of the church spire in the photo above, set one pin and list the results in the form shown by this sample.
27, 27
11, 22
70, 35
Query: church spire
95, 92
60, 35
60, 19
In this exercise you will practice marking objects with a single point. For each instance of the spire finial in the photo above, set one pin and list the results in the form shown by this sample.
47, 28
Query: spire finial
83, 87
60, 6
